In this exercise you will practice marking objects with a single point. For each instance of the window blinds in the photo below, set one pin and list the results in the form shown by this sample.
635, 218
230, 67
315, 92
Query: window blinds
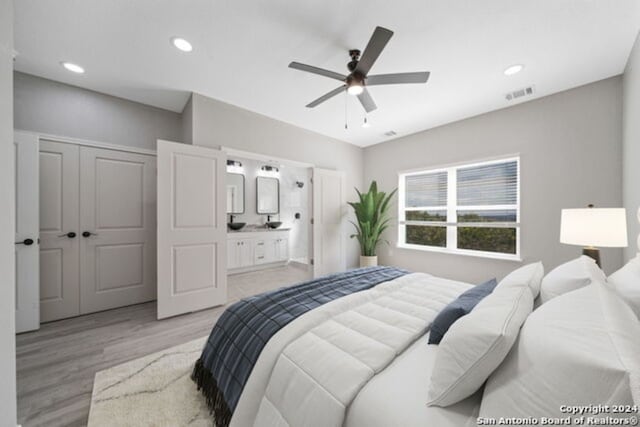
426, 190
488, 184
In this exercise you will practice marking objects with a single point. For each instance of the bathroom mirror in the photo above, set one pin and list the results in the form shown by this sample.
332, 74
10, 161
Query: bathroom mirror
268, 195
235, 193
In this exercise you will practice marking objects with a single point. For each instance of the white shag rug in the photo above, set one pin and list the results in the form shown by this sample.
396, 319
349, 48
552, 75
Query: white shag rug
155, 390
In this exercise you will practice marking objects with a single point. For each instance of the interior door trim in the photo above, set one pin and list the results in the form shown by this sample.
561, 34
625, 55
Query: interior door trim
89, 143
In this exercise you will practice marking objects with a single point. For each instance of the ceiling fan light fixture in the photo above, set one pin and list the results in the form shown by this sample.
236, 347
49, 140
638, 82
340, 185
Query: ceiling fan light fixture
355, 89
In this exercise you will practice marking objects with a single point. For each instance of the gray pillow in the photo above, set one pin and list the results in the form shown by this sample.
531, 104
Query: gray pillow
458, 308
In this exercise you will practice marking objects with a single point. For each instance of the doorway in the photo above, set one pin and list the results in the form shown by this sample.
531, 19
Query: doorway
90, 223
92, 231
311, 209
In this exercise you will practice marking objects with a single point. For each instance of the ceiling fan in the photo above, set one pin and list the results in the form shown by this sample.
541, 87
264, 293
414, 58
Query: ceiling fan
356, 82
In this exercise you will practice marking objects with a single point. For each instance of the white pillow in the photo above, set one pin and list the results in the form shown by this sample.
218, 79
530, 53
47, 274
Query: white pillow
626, 282
477, 343
582, 347
570, 276
530, 274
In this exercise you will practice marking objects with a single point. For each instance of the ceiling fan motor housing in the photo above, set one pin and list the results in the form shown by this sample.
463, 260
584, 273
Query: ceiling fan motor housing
355, 78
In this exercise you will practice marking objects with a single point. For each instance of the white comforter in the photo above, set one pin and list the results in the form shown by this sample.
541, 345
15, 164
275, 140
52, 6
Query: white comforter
396, 396
311, 371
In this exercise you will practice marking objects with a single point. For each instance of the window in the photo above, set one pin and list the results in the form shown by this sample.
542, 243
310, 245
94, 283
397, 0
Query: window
469, 209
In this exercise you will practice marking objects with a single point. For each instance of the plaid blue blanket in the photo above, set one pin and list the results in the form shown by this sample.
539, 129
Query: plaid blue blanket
243, 330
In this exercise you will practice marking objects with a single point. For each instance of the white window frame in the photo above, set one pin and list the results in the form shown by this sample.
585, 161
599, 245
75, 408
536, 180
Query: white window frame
452, 224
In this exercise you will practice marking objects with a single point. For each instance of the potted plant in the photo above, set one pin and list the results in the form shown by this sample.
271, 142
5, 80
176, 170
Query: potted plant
372, 220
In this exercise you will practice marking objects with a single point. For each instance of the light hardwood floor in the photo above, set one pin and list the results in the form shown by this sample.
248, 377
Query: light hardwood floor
56, 364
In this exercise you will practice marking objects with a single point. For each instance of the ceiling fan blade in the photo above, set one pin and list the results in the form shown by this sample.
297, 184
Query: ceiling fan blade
327, 96
398, 78
367, 101
316, 70
378, 41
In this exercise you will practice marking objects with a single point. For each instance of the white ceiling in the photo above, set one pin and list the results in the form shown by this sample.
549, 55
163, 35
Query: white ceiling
242, 49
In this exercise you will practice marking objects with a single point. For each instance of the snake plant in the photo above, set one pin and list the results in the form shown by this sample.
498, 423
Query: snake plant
372, 218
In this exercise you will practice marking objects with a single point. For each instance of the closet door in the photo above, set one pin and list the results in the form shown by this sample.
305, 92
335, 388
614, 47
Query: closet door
117, 229
27, 230
59, 237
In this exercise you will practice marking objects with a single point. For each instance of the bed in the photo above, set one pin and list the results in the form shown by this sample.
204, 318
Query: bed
352, 350
385, 313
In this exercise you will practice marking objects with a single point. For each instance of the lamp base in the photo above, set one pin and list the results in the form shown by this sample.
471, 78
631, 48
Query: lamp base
592, 253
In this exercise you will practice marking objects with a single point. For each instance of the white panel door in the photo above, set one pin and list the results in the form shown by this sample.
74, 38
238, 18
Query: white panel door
27, 228
329, 213
117, 229
192, 228
59, 242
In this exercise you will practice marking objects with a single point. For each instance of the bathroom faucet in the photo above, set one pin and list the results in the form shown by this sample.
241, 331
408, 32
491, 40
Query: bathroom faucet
231, 217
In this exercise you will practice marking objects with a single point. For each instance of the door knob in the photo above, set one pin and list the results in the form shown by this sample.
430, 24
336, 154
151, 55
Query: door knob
26, 242
70, 235
88, 234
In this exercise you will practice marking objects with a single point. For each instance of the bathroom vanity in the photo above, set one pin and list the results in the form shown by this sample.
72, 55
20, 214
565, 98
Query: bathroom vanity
256, 248
268, 215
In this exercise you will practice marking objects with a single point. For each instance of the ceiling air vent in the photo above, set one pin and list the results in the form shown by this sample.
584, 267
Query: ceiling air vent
520, 93
390, 133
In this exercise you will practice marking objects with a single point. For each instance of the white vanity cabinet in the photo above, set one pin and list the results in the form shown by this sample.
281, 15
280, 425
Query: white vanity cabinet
282, 248
272, 249
250, 250
239, 253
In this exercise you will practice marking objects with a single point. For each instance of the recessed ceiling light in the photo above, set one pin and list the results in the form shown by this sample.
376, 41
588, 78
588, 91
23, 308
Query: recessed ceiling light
182, 44
73, 67
514, 69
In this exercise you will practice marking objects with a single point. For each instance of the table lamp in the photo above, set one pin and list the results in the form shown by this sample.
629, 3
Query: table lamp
592, 227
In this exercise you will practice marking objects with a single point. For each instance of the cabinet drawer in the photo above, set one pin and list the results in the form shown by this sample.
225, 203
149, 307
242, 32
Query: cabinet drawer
260, 252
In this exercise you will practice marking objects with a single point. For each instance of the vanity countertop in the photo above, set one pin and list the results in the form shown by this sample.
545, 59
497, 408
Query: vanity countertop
249, 229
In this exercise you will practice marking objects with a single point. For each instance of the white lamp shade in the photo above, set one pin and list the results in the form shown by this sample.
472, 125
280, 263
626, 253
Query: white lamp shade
603, 227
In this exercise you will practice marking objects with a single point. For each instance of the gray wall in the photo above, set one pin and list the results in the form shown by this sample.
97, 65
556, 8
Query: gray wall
187, 122
218, 124
7, 228
631, 147
570, 146
46, 106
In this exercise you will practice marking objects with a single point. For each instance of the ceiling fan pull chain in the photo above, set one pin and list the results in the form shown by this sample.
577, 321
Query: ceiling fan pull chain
346, 99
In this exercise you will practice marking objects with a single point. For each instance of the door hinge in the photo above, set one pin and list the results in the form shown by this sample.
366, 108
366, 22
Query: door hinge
311, 221
311, 261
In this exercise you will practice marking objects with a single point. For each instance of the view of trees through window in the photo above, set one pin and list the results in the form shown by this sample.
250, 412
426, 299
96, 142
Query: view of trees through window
483, 215
501, 240
427, 236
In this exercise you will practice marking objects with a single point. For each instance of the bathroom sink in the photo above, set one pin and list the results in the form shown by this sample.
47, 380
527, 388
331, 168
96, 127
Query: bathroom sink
236, 225
274, 224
